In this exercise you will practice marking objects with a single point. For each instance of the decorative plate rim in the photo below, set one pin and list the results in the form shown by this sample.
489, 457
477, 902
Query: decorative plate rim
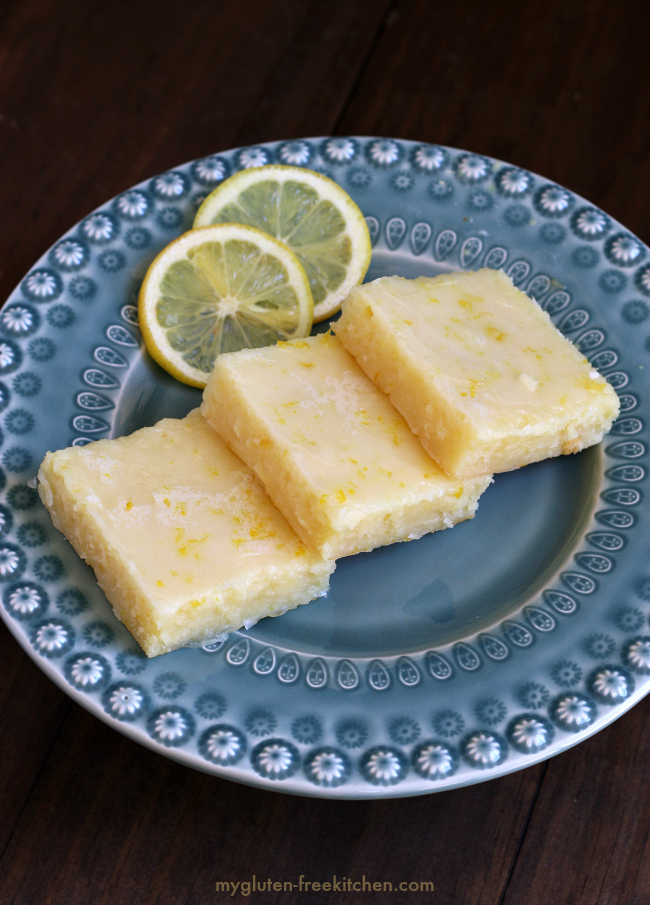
263, 760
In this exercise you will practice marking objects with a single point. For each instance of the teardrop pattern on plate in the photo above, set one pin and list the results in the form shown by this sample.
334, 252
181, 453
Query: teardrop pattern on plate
595, 562
373, 228
316, 676
630, 473
289, 670
121, 336
109, 357
130, 315
439, 666
581, 584
574, 320
605, 359
88, 425
395, 232
627, 449
539, 286
627, 401
518, 271
495, 258
540, 619
238, 654
556, 302
561, 602
420, 235
96, 378
605, 541
493, 647
627, 426
618, 379
466, 657
408, 673
445, 244
470, 250
615, 518
378, 676
622, 496
264, 662
93, 401
590, 340
347, 675
517, 634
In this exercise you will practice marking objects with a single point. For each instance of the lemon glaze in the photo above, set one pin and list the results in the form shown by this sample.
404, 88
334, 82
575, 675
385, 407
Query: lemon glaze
334, 455
477, 369
184, 541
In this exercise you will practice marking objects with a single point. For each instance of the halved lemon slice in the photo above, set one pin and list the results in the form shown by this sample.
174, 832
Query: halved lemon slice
220, 289
308, 212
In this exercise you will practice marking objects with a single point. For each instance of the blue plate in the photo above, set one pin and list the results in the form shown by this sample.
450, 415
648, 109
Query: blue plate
435, 664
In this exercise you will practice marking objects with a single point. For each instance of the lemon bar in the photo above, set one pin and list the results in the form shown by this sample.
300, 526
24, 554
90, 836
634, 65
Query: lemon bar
335, 456
184, 541
477, 369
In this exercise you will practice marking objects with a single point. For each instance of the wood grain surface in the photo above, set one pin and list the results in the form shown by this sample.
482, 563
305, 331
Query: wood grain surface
95, 97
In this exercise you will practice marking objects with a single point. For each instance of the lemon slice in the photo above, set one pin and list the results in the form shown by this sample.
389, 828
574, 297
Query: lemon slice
311, 214
220, 289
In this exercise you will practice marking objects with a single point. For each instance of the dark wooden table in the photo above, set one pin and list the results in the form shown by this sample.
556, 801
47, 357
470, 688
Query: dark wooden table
96, 97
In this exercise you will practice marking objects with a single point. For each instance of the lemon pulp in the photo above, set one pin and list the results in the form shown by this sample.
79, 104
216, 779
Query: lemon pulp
217, 290
310, 214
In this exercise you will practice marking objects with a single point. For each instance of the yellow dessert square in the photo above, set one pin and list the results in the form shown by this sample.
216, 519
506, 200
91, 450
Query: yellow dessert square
334, 455
477, 369
184, 541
